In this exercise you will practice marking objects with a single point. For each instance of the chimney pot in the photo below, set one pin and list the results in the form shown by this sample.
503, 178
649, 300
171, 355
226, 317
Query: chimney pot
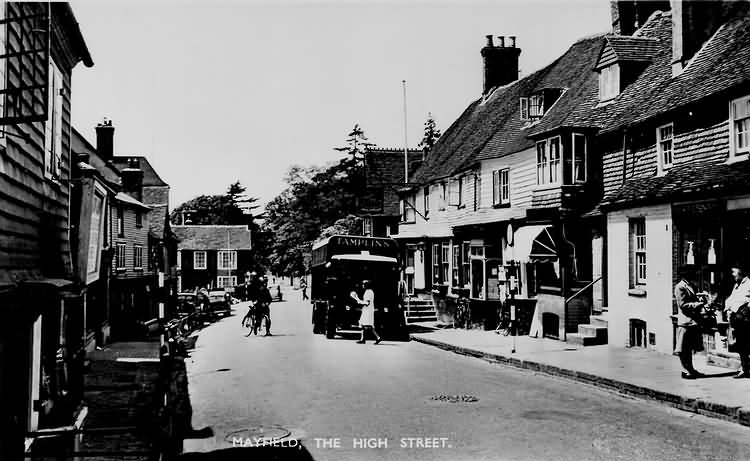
502, 41
512, 41
489, 41
105, 133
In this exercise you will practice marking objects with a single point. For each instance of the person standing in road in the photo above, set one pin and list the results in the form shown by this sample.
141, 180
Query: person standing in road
367, 319
303, 287
689, 338
737, 307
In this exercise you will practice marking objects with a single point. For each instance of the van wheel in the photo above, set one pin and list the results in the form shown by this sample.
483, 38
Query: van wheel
330, 326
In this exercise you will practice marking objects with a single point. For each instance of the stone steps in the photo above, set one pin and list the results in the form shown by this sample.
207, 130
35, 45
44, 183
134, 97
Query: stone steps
420, 310
589, 334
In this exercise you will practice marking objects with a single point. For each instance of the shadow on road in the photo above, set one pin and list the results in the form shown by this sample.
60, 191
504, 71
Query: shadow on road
295, 453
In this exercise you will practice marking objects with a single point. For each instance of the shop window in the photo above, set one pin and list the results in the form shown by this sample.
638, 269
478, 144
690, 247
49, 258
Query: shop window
484, 264
739, 116
367, 225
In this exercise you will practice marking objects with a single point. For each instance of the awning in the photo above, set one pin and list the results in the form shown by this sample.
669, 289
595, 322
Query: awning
364, 257
534, 243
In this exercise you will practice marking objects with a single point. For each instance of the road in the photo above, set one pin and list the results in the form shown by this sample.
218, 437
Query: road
323, 392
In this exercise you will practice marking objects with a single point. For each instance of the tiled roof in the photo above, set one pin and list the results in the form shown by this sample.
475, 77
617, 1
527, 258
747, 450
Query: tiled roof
150, 177
703, 180
720, 66
491, 127
212, 237
125, 198
629, 48
384, 168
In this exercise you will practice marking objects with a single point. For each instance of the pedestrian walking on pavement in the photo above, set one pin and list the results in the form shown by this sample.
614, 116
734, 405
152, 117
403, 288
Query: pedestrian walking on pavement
737, 307
367, 319
303, 287
689, 337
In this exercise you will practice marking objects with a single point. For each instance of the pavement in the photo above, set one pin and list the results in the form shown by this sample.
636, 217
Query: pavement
636, 372
120, 390
337, 400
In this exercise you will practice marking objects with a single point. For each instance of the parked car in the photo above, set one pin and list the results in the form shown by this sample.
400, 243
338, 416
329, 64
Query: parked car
187, 302
219, 303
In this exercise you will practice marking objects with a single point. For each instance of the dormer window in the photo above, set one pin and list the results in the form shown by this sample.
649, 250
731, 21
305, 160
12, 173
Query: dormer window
536, 106
524, 105
609, 82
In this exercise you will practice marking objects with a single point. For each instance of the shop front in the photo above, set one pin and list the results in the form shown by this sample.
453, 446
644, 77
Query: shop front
710, 237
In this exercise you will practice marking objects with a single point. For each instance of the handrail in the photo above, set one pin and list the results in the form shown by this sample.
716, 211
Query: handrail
586, 287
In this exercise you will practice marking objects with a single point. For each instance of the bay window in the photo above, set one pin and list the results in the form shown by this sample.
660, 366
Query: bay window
579, 157
548, 161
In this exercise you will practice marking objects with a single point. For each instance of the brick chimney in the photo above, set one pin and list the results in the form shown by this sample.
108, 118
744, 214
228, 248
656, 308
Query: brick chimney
132, 179
694, 22
629, 15
500, 63
105, 134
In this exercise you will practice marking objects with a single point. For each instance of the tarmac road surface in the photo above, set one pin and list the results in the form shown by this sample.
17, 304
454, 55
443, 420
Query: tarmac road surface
337, 400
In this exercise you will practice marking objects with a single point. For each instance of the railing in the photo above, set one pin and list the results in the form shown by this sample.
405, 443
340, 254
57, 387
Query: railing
586, 287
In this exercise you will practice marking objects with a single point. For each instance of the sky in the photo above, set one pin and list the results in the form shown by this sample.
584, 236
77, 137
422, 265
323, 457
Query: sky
218, 91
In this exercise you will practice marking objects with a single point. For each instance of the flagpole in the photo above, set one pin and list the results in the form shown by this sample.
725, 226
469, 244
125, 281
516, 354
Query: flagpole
406, 152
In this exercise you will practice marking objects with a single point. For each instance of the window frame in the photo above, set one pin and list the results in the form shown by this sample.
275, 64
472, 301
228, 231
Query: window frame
456, 265
536, 106
426, 200
574, 158
197, 266
436, 268
545, 165
663, 166
736, 153
524, 108
220, 263
609, 82
638, 253
367, 225
408, 212
138, 257
138, 219
220, 279
120, 216
466, 263
500, 188
53, 132
445, 261
121, 256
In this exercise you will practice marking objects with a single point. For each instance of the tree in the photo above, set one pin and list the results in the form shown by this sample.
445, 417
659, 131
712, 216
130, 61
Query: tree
316, 201
431, 134
236, 193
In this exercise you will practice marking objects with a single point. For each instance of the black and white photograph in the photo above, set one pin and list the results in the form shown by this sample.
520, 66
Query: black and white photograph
502, 230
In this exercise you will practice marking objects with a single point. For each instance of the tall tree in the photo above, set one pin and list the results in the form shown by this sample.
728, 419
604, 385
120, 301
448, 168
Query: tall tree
431, 134
315, 199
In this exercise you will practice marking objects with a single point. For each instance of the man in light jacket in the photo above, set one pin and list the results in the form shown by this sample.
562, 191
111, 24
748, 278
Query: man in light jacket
689, 338
737, 307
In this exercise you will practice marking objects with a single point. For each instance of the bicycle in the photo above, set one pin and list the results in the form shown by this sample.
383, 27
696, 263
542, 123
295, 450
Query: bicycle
462, 317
